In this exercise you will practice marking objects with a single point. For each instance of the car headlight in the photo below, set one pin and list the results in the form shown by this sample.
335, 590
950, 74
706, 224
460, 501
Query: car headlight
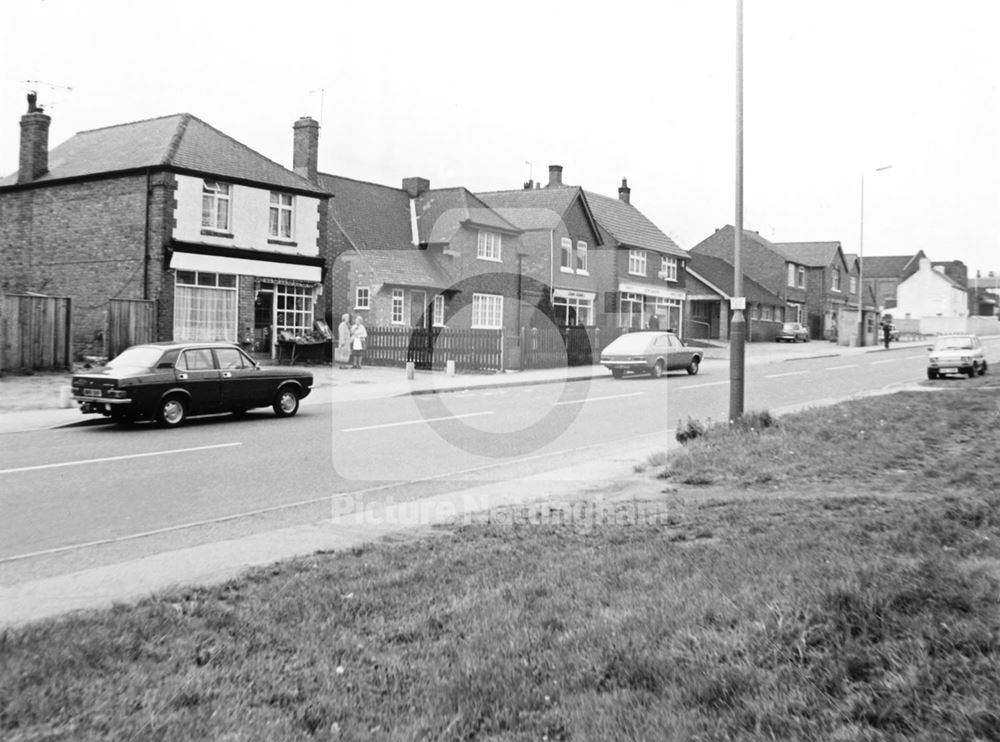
117, 393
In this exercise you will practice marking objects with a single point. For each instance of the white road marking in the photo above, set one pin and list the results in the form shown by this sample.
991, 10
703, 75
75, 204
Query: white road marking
789, 373
598, 399
118, 458
415, 422
702, 386
887, 360
838, 368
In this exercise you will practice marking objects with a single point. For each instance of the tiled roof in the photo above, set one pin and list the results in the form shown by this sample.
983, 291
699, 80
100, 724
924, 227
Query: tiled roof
373, 216
889, 266
720, 273
537, 208
441, 213
181, 141
629, 226
724, 239
811, 254
413, 267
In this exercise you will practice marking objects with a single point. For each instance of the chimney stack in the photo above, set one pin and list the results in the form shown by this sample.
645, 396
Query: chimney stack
34, 156
624, 193
416, 186
305, 157
555, 176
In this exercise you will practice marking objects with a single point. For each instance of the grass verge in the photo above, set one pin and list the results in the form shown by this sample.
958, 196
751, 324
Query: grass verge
810, 613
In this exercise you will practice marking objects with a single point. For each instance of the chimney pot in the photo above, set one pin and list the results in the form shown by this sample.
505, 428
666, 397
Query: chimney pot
34, 152
415, 186
555, 176
624, 192
305, 156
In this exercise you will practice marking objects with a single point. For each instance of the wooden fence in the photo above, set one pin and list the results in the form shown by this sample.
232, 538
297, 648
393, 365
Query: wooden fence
129, 322
471, 350
554, 347
35, 332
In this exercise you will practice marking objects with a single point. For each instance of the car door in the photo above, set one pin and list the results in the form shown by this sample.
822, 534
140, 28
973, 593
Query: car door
196, 372
239, 378
677, 355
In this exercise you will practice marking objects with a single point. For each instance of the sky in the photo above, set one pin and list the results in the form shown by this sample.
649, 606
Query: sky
488, 95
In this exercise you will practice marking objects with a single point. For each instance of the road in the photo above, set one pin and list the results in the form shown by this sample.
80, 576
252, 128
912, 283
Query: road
95, 494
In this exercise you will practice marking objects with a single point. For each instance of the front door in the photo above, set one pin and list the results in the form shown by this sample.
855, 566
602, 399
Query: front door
418, 309
196, 372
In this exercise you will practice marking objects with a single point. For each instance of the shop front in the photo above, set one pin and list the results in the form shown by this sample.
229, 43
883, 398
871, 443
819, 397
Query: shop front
644, 307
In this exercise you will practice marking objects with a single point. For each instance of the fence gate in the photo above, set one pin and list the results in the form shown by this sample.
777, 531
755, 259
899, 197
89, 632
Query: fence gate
130, 322
35, 332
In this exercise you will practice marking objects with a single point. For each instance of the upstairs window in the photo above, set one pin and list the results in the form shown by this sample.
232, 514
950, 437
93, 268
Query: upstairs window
802, 277
362, 296
854, 284
566, 255
489, 246
280, 223
581, 256
637, 262
836, 279
791, 274
216, 205
668, 268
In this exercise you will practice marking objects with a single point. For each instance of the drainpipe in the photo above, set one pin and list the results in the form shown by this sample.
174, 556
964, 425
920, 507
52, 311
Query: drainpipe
145, 259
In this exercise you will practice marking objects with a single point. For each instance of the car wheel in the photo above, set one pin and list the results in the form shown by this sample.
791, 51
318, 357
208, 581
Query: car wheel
982, 369
617, 373
692, 369
172, 412
971, 371
932, 373
657, 371
286, 403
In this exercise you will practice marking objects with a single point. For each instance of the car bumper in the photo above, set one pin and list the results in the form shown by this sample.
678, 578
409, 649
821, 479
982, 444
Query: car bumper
633, 366
101, 405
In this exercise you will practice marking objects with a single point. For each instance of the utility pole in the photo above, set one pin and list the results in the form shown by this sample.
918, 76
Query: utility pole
738, 325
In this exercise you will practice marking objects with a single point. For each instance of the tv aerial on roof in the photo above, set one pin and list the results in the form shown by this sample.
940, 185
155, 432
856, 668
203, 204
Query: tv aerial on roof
52, 88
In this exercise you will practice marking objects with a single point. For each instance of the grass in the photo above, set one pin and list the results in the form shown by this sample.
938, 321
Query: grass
828, 613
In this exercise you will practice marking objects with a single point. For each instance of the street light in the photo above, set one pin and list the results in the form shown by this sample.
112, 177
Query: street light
861, 262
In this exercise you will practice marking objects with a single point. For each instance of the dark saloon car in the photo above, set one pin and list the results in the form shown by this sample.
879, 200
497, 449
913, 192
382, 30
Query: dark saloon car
649, 353
167, 382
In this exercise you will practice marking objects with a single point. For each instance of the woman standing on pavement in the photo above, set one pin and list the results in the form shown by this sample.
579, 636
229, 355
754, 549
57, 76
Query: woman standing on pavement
344, 341
359, 339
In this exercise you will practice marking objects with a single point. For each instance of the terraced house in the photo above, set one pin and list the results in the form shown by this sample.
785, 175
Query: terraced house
165, 228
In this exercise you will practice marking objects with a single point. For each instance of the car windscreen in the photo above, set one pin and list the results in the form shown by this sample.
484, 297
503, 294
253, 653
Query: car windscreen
137, 357
956, 343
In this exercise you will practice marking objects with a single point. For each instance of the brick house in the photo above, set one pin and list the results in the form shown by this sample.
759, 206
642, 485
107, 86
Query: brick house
170, 210
710, 282
647, 275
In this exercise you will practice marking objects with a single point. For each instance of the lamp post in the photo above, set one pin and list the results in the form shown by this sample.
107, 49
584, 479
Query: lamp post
738, 327
861, 262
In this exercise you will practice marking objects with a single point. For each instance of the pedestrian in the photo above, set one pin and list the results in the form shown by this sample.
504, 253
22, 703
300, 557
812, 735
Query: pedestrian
344, 341
654, 322
359, 339
886, 331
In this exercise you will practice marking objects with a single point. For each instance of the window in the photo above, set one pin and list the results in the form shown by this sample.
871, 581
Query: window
438, 318
836, 279
767, 312
205, 306
581, 256
199, 359
487, 311
802, 277
489, 246
572, 309
566, 255
668, 268
854, 284
637, 262
791, 274
362, 297
755, 311
230, 358
215, 205
397, 307
630, 312
294, 309
280, 224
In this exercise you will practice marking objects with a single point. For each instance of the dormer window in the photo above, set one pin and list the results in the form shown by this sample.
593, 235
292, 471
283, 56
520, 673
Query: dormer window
216, 205
488, 247
280, 221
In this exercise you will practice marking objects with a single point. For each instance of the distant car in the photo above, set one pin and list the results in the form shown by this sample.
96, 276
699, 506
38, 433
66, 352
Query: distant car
956, 354
168, 382
792, 332
649, 352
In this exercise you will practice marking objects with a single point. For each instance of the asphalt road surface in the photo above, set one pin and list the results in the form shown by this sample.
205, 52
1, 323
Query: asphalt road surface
94, 494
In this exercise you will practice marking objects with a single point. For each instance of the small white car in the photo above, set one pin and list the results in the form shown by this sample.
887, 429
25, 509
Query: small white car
956, 354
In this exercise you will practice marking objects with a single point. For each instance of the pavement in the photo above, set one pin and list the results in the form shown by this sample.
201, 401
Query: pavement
599, 482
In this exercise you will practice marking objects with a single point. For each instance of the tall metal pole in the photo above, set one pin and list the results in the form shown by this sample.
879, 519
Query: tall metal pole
861, 269
738, 326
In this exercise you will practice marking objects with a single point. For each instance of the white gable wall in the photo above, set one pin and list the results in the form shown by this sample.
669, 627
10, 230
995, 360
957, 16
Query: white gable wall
929, 293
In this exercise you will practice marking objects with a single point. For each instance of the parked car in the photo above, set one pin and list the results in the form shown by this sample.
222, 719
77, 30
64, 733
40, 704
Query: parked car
170, 381
792, 332
649, 353
956, 354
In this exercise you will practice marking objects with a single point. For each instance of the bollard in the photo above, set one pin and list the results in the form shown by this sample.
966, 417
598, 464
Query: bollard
409, 370
450, 367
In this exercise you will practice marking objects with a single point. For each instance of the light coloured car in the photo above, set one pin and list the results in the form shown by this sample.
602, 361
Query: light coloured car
792, 332
650, 353
956, 354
